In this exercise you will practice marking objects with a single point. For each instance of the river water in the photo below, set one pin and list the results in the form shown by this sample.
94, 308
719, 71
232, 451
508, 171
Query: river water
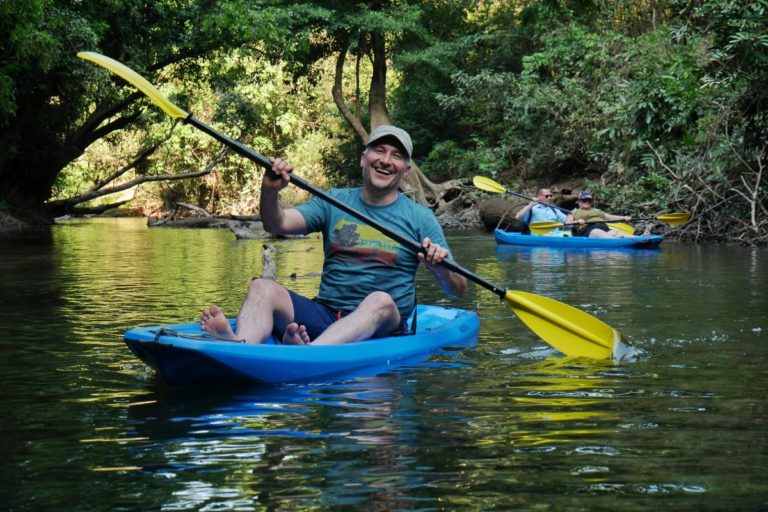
506, 424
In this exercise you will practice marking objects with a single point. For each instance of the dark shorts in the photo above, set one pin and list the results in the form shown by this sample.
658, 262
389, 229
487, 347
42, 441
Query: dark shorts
591, 227
317, 317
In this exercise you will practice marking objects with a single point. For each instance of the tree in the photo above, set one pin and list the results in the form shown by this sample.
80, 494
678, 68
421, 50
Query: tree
53, 105
372, 36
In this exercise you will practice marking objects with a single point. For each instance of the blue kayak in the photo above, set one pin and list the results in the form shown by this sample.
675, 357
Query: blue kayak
638, 242
183, 355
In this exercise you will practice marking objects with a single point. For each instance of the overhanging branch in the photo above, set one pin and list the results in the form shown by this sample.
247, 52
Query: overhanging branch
66, 205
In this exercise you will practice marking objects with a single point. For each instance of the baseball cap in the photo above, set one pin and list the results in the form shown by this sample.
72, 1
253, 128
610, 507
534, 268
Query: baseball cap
585, 195
387, 130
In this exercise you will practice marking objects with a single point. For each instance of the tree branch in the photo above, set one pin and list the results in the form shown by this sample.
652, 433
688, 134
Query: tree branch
136, 161
94, 120
94, 210
67, 204
338, 95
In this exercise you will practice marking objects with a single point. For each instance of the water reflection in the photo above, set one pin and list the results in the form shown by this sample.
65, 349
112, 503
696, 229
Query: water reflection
556, 401
556, 271
275, 441
507, 424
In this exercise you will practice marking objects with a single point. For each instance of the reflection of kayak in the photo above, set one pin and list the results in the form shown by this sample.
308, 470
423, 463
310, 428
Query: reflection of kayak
638, 242
183, 355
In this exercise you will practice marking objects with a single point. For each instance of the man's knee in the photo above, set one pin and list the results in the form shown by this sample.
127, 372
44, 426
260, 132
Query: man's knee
384, 304
386, 313
260, 285
268, 291
380, 300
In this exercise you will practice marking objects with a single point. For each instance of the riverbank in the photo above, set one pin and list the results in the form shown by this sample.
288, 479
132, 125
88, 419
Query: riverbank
485, 214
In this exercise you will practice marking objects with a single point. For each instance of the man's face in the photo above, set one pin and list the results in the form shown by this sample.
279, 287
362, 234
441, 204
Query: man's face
384, 165
544, 196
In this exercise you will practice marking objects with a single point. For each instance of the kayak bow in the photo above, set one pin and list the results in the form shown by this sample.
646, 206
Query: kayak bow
184, 355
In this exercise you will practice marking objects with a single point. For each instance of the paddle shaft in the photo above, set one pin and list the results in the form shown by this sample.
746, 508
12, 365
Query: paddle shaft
263, 161
597, 222
568, 329
569, 211
604, 222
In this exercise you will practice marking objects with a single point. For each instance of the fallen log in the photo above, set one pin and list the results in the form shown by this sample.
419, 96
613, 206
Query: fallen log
500, 212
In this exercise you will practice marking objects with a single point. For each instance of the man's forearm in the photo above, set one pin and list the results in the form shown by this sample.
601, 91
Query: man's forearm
271, 212
453, 284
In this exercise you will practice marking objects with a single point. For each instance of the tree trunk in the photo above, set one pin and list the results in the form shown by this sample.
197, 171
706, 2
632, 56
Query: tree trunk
26, 181
377, 98
500, 212
416, 184
34, 153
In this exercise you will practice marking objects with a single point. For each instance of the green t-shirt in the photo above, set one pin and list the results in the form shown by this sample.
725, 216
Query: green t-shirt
591, 215
359, 259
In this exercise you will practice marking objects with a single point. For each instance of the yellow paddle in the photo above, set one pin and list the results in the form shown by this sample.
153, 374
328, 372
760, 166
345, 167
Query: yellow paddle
488, 185
621, 226
571, 331
539, 228
673, 219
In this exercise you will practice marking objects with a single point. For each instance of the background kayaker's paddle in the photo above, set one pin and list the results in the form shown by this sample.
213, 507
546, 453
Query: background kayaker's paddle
489, 185
673, 219
569, 330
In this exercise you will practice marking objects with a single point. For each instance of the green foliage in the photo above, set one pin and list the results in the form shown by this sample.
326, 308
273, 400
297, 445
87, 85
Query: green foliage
543, 117
54, 105
648, 100
447, 160
650, 193
255, 104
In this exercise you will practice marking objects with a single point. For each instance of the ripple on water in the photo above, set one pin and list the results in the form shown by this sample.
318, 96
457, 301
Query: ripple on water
510, 424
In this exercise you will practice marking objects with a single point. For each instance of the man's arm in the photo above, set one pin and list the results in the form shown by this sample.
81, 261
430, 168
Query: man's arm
522, 212
276, 219
453, 284
610, 216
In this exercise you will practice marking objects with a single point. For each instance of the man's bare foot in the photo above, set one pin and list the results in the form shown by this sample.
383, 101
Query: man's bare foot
216, 324
295, 334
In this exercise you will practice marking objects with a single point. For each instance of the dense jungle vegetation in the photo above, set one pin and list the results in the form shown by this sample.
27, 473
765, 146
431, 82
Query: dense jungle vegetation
659, 104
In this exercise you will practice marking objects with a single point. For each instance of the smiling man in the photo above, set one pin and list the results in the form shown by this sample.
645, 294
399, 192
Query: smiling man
367, 287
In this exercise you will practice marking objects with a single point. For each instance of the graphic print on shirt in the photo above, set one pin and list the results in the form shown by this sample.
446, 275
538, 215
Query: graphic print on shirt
360, 242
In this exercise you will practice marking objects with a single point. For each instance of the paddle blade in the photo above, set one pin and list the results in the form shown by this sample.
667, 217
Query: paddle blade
674, 219
544, 226
137, 81
622, 226
488, 185
571, 331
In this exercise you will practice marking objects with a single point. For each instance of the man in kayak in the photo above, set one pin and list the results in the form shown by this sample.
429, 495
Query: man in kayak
367, 286
587, 219
541, 209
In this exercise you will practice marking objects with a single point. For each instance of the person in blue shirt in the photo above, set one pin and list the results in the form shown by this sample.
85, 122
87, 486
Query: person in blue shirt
367, 286
541, 209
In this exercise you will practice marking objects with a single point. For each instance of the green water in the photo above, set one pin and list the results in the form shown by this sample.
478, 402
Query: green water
507, 424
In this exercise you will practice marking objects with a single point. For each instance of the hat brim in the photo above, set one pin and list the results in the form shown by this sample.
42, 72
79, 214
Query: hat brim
389, 139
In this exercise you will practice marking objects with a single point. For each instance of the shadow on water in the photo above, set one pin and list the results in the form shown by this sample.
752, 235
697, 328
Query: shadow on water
369, 440
332, 445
